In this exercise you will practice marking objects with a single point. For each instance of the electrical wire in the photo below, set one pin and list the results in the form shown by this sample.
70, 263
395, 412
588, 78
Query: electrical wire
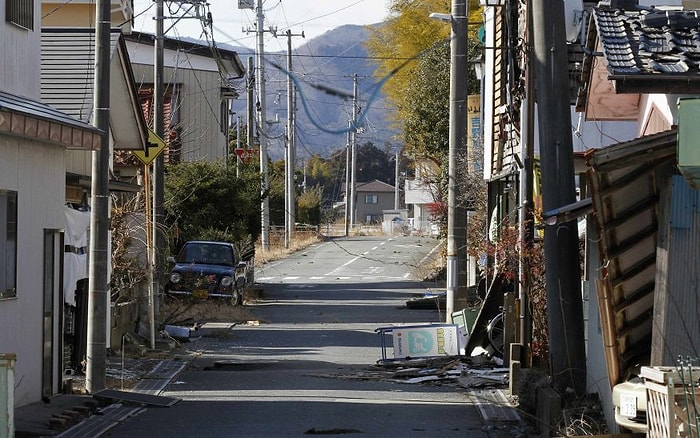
363, 113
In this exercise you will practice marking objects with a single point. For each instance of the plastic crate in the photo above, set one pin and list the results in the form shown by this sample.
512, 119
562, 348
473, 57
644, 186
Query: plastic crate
673, 401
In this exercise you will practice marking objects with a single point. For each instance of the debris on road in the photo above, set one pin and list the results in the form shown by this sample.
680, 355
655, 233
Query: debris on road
177, 332
469, 372
428, 300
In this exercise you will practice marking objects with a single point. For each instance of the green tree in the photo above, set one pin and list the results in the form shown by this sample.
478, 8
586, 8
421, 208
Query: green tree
276, 192
427, 118
206, 200
373, 163
405, 36
309, 206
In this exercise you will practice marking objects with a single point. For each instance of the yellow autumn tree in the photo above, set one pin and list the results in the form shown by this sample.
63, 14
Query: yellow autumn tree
403, 38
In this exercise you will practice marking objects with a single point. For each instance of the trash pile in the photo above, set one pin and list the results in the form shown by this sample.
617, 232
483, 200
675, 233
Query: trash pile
468, 372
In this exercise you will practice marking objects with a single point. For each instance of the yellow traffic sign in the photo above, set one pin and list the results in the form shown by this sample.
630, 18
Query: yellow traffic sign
155, 148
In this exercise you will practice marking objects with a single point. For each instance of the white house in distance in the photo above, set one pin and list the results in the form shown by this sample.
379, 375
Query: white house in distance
33, 143
420, 192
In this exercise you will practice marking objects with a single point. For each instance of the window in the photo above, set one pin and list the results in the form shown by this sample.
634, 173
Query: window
8, 244
20, 12
371, 199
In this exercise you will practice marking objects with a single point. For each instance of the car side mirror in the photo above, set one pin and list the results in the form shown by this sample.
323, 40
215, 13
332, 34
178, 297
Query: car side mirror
170, 259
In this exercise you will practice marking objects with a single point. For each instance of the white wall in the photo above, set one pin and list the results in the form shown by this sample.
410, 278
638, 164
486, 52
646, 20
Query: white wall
37, 172
20, 57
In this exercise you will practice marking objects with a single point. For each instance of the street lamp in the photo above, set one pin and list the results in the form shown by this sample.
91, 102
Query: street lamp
456, 214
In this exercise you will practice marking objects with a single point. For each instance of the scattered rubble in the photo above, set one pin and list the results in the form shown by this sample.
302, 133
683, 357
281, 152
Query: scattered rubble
468, 372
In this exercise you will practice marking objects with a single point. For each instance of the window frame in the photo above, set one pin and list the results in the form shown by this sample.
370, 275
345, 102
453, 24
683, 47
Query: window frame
20, 13
8, 246
371, 197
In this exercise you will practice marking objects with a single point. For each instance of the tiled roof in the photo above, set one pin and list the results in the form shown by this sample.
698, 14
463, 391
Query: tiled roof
374, 186
650, 44
638, 42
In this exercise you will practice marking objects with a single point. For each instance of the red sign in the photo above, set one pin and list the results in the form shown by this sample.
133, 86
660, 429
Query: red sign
246, 155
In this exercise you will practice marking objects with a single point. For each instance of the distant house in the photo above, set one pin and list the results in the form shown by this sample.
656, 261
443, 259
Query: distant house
421, 191
372, 198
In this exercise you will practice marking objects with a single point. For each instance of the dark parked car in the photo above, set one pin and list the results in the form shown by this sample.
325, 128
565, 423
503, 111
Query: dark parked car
206, 269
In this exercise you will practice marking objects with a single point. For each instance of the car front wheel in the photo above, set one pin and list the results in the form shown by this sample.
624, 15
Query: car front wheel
236, 298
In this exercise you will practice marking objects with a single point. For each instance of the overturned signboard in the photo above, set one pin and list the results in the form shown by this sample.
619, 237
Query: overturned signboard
427, 340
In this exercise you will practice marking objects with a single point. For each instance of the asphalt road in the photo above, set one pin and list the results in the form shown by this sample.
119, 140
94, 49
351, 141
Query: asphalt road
306, 368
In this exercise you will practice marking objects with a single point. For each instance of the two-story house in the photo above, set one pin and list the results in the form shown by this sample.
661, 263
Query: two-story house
199, 87
34, 138
372, 198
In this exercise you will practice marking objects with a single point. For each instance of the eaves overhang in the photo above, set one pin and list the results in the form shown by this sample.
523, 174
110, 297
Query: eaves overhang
24, 117
223, 56
650, 84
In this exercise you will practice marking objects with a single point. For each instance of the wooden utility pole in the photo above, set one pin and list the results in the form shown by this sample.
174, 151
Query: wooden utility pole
562, 265
98, 289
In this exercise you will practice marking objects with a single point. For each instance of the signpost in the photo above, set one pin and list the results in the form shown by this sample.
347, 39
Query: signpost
246, 155
155, 147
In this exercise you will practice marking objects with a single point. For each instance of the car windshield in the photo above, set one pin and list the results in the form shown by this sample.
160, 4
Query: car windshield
206, 253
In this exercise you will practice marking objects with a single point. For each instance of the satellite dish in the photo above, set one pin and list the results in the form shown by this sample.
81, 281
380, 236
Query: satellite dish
573, 17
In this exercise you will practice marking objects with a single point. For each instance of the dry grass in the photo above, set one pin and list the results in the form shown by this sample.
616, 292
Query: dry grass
278, 251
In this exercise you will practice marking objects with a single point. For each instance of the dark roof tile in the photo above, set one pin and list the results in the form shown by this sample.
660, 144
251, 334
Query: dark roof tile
656, 42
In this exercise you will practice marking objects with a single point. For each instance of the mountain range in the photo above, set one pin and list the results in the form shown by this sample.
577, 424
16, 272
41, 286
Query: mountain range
323, 70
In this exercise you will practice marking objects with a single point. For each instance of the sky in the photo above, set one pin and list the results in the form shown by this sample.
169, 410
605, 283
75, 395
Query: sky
312, 17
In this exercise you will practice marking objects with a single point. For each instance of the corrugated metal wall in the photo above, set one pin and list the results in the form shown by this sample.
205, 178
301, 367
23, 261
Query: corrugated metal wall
681, 321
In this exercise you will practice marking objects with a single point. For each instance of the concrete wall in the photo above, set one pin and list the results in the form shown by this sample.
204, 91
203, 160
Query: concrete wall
37, 172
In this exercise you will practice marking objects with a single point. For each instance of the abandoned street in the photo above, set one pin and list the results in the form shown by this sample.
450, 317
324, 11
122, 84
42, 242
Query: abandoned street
304, 366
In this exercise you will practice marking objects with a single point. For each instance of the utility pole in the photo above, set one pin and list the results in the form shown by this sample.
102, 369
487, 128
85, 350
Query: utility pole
396, 182
562, 266
290, 159
353, 152
250, 102
262, 119
525, 214
158, 165
98, 290
348, 158
157, 241
238, 144
456, 213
